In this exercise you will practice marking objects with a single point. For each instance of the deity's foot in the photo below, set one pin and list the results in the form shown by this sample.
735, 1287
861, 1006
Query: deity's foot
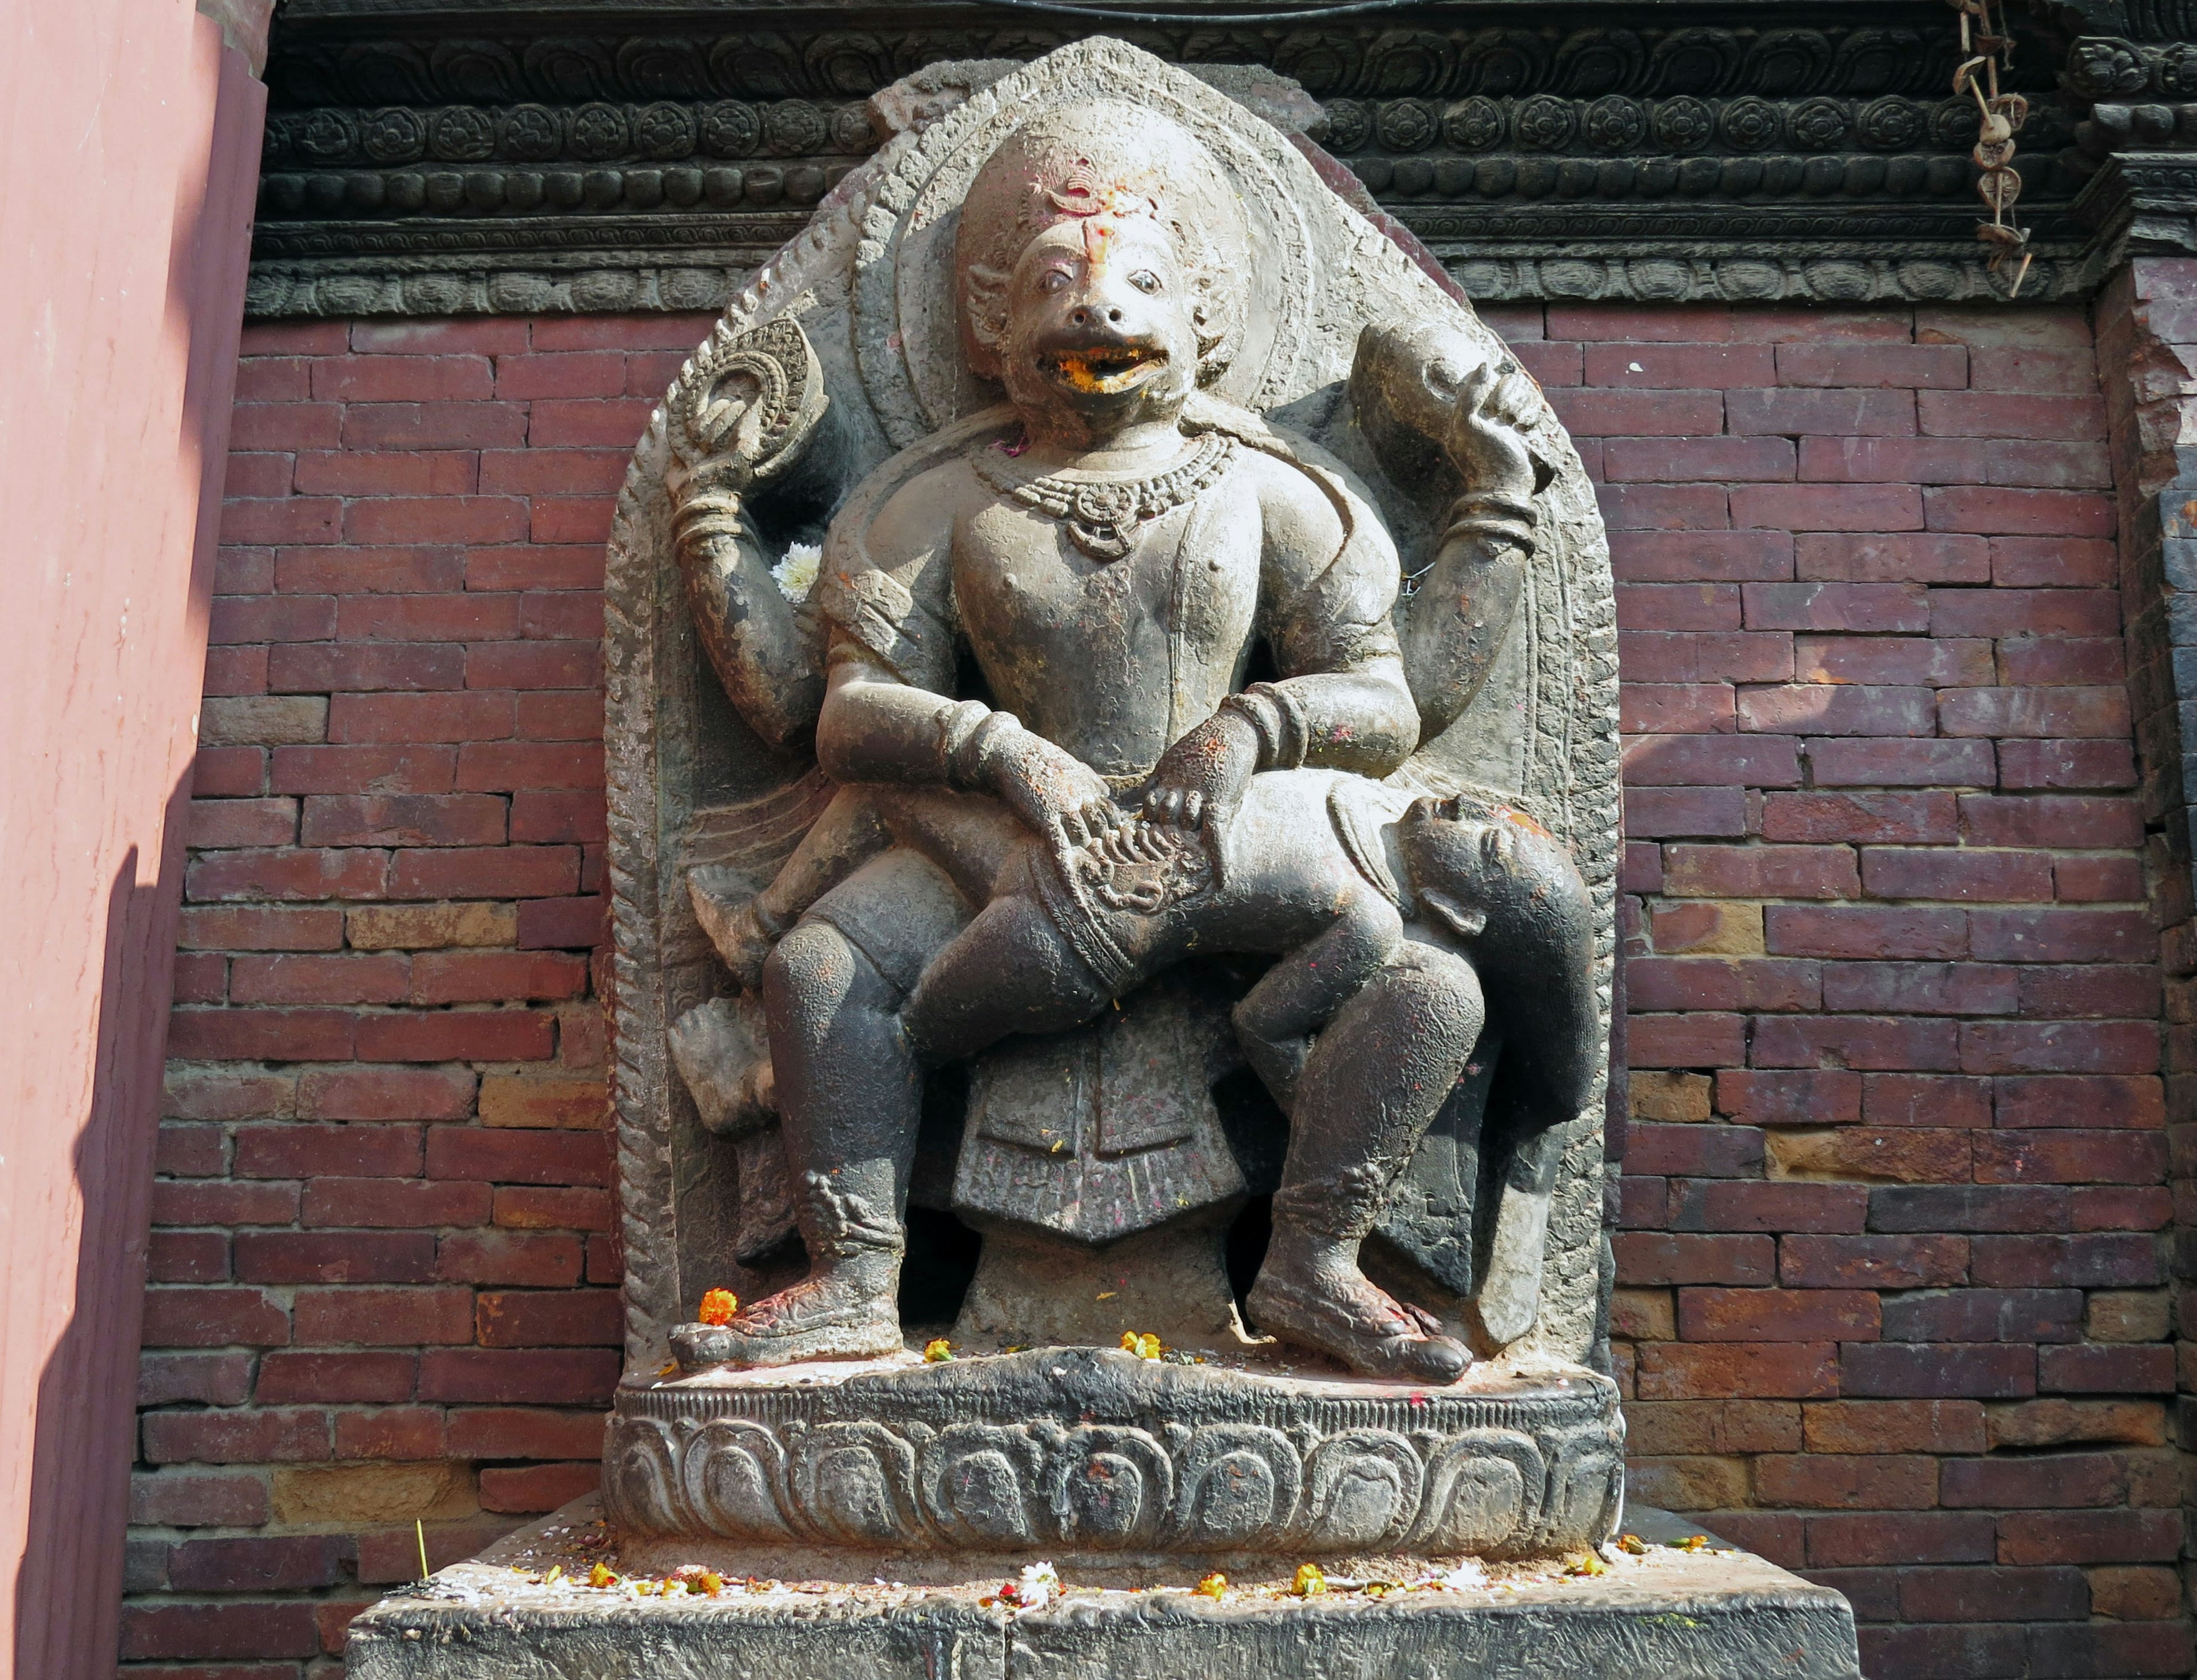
839, 1314
733, 918
1344, 1315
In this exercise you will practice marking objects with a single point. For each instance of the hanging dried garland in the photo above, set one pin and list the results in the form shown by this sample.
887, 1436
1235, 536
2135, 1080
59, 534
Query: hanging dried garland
1986, 48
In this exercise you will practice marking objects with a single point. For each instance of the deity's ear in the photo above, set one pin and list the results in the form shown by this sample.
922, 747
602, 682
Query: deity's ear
985, 317
1466, 921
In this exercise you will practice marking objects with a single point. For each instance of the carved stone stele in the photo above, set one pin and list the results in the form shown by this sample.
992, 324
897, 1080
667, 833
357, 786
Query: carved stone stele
859, 359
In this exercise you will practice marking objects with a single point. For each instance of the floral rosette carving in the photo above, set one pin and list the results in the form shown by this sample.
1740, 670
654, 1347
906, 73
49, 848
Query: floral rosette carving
792, 128
1407, 124
1683, 124
1546, 123
1613, 123
1818, 125
327, 136
531, 133
1474, 124
730, 128
598, 131
1750, 124
663, 130
462, 134
1889, 125
395, 136
1349, 125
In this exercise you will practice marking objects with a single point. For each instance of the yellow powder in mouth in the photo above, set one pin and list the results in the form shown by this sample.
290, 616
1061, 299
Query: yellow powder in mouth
1102, 370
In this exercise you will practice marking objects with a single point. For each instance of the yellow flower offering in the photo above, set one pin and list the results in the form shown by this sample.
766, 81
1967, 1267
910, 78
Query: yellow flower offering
1213, 1586
1309, 1582
938, 1350
1632, 1543
1144, 1347
1587, 1563
718, 1306
602, 1576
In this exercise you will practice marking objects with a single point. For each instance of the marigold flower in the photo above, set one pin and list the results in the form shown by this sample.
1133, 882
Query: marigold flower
938, 1350
602, 1575
1144, 1347
718, 1306
1310, 1583
1213, 1586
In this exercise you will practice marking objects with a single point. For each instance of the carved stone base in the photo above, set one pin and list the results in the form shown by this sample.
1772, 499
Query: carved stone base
1713, 1616
1089, 1454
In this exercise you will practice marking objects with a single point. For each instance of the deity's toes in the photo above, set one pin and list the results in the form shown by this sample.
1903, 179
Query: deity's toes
1359, 1325
700, 1346
810, 1321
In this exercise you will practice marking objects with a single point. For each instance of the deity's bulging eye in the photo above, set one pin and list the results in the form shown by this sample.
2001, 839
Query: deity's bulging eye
1053, 280
1144, 281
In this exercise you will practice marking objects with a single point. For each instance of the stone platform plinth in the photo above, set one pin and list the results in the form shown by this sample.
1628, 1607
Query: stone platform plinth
1665, 1615
1085, 1454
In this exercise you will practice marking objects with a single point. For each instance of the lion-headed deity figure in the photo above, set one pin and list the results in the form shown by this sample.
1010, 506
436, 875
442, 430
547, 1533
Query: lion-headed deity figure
1112, 749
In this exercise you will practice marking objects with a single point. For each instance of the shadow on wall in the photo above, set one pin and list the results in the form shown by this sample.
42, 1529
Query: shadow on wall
82, 1431
86, 1395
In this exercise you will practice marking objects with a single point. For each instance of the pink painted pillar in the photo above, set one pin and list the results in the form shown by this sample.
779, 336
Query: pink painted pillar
131, 132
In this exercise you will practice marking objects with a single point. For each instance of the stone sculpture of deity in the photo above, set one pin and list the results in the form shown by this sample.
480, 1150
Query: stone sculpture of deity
1182, 722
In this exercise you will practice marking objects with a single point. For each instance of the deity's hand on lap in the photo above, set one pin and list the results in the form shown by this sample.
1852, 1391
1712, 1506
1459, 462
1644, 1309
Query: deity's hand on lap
1201, 779
1052, 793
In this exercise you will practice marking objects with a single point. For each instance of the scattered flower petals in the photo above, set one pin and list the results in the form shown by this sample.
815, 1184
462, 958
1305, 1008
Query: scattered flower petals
602, 1576
1310, 1583
937, 1351
1634, 1544
1144, 1347
1213, 1586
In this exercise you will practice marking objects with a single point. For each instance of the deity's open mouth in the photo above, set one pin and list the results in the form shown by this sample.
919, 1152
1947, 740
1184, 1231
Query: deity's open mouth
1105, 369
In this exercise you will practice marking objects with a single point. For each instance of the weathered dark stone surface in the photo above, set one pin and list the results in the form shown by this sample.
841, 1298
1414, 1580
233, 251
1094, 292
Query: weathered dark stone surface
640, 157
1077, 1451
1665, 1616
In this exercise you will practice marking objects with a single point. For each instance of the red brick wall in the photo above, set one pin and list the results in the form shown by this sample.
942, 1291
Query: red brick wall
1893, 1308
